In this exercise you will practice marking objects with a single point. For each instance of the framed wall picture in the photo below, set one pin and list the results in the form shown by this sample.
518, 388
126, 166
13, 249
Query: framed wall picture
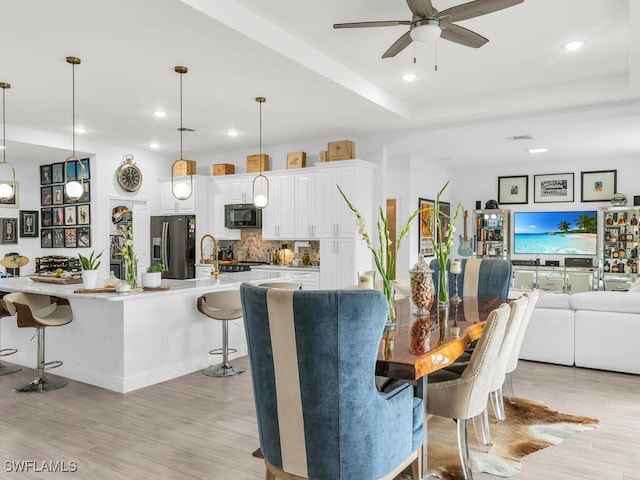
46, 196
58, 237
46, 238
83, 215
57, 174
57, 196
427, 226
13, 201
70, 240
598, 186
87, 170
46, 219
45, 174
513, 190
84, 236
445, 210
71, 171
556, 187
70, 215
9, 230
28, 223
57, 216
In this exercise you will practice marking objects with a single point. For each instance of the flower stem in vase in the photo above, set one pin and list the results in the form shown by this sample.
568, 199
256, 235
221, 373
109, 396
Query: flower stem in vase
443, 304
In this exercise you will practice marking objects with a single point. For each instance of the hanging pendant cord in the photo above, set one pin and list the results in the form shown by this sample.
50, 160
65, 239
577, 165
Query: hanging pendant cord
260, 139
73, 108
4, 132
181, 129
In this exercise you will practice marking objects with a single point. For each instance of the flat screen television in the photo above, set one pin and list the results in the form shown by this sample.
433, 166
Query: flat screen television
555, 233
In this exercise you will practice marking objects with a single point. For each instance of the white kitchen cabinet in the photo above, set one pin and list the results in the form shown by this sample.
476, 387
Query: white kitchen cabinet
218, 198
240, 189
278, 216
338, 263
309, 277
307, 205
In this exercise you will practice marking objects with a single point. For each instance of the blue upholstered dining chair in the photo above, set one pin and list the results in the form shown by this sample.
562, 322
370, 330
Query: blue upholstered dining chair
480, 277
312, 357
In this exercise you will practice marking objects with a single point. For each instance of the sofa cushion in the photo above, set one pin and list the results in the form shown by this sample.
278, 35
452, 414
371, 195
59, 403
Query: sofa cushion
606, 301
554, 300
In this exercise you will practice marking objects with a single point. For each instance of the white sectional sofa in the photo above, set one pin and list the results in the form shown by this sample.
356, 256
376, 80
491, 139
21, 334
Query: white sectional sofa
590, 329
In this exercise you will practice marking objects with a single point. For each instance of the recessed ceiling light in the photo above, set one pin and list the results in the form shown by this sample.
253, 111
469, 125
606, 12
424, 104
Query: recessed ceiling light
159, 114
537, 150
409, 77
232, 133
573, 45
80, 130
155, 146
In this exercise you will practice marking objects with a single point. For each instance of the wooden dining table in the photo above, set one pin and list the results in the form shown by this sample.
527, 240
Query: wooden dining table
396, 361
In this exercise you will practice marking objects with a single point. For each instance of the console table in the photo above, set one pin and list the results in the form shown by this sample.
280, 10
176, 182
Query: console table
555, 279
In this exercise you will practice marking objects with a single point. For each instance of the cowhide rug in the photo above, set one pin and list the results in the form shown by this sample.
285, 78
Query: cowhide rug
530, 426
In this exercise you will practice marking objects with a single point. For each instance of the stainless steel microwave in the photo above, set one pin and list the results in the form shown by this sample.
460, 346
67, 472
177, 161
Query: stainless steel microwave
242, 215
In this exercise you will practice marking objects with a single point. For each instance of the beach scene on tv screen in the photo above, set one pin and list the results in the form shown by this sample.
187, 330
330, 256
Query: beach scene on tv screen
556, 233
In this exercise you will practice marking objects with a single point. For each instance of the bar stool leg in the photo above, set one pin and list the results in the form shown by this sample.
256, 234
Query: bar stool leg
225, 369
8, 369
41, 383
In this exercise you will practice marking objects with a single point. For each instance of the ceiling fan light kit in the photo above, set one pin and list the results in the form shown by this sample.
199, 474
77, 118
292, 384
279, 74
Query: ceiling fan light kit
427, 24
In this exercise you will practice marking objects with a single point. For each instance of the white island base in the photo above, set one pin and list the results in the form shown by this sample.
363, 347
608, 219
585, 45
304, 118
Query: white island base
126, 341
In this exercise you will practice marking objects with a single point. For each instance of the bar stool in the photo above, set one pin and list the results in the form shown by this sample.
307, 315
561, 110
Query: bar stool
39, 312
224, 305
5, 352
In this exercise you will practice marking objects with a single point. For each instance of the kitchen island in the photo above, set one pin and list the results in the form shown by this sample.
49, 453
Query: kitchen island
126, 341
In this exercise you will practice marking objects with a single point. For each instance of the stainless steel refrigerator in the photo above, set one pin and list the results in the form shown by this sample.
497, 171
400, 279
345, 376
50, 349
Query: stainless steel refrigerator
173, 242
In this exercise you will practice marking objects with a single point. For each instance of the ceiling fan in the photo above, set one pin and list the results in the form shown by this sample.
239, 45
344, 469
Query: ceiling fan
427, 24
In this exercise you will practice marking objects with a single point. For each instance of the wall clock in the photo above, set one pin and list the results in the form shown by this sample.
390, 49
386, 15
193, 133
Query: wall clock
129, 175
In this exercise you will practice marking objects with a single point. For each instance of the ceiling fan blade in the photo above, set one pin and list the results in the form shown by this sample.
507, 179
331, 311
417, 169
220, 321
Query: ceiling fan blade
461, 35
421, 8
389, 23
475, 9
403, 42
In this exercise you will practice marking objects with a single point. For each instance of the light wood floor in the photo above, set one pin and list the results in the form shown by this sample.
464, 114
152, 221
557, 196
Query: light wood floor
197, 427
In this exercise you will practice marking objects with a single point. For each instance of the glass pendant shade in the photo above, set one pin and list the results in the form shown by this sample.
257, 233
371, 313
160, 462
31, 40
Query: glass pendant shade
6, 191
426, 33
181, 190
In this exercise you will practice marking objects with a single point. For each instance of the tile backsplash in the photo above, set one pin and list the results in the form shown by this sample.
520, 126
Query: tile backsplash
251, 246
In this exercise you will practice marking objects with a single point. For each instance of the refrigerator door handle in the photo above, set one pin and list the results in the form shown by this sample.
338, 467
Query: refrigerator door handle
165, 228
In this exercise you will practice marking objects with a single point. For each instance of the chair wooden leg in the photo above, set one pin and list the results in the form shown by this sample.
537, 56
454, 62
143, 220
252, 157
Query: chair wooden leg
268, 474
463, 448
416, 466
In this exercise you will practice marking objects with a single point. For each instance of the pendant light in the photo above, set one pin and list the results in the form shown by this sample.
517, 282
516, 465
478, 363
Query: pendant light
7, 189
74, 188
260, 183
182, 167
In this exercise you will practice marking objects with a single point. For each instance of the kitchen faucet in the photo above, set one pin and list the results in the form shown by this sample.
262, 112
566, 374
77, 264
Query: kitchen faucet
215, 269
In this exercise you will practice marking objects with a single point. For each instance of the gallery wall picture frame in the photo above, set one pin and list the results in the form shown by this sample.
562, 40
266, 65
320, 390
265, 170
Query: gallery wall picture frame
553, 188
45, 174
46, 217
71, 170
57, 214
83, 237
83, 216
87, 169
57, 194
513, 190
57, 172
70, 215
9, 227
636, 200
58, 237
46, 238
426, 227
46, 196
70, 240
29, 223
598, 186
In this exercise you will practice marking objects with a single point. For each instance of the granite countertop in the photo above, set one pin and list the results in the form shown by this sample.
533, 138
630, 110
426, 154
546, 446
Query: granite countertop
226, 281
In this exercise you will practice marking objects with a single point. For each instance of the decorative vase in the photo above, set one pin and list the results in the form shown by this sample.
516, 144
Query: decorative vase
89, 279
443, 303
421, 287
132, 273
151, 279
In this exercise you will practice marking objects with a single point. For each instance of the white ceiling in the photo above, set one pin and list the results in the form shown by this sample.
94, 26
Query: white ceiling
320, 82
